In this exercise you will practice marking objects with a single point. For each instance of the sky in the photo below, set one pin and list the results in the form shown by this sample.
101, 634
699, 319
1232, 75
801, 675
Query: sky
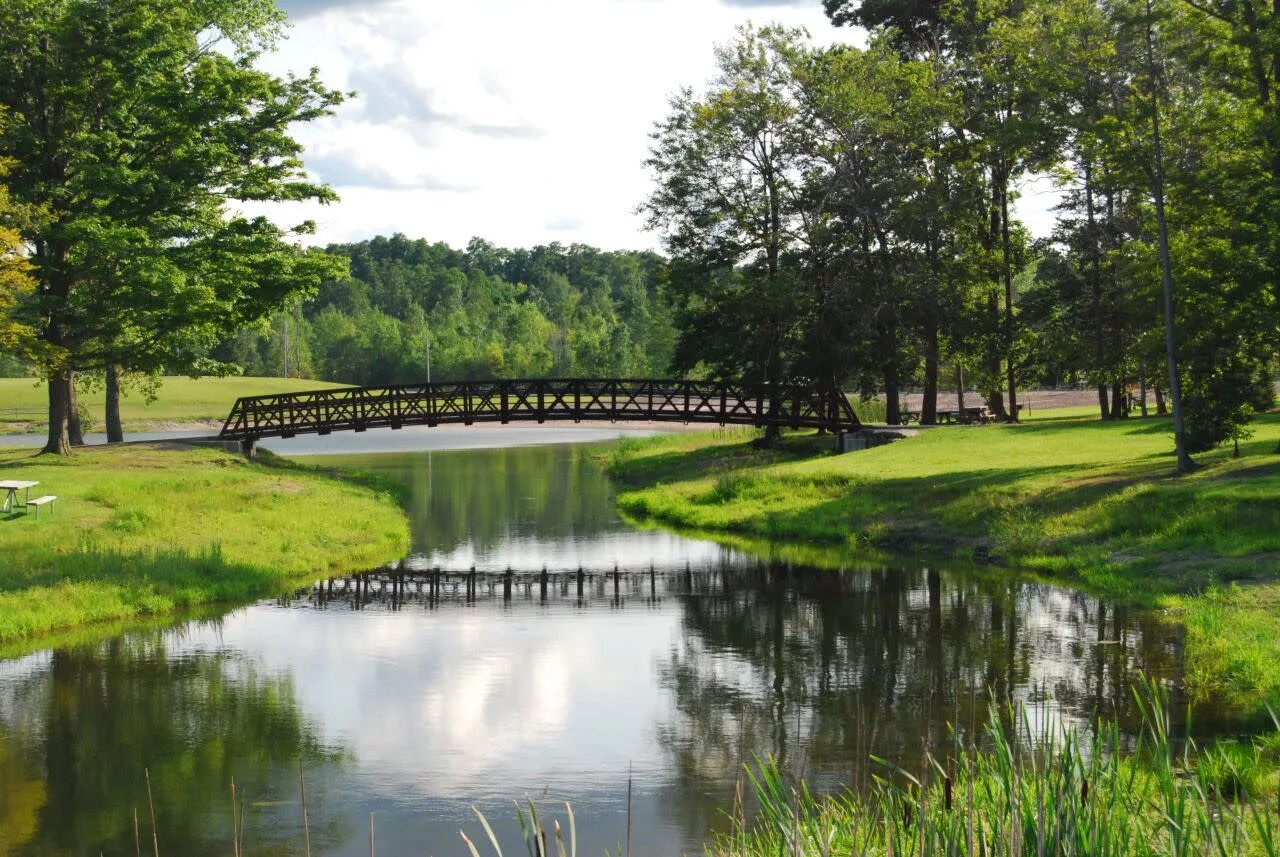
519, 122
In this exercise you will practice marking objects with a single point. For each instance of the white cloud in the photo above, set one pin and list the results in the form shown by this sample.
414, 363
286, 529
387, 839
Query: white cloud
520, 122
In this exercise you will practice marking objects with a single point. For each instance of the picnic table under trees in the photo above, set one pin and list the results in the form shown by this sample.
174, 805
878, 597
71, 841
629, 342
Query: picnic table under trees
11, 489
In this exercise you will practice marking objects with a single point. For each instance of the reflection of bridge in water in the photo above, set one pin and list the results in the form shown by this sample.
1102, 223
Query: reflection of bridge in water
617, 586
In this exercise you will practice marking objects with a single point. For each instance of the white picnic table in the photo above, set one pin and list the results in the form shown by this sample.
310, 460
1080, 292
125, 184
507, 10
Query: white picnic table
11, 490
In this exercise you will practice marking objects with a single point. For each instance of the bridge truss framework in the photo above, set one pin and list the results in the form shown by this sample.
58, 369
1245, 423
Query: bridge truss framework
794, 405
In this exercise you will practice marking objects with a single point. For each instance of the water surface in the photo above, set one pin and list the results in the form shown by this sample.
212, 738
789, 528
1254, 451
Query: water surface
655, 673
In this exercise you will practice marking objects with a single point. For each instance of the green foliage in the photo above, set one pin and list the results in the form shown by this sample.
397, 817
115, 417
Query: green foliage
485, 312
136, 129
871, 411
16, 282
1232, 770
1220, 390
87, 419
13, 367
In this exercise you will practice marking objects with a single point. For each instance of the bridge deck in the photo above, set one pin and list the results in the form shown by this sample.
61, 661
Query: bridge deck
786, 405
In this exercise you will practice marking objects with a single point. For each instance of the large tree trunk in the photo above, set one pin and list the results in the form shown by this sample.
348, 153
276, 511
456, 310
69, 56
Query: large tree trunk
892, 400
959, 388
929, 406
115, 429
59, 442
1119, 405
1162, 409
75, 430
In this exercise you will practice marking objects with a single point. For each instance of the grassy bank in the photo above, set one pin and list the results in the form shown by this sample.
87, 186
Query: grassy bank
143, 530
1086, 502
179, 400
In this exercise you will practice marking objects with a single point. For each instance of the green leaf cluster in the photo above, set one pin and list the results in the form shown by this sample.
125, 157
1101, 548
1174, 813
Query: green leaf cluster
139, 131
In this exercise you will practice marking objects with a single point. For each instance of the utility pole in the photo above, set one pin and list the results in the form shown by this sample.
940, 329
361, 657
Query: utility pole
428, 359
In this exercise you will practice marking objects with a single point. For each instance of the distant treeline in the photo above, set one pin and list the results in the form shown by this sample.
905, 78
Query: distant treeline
482, 312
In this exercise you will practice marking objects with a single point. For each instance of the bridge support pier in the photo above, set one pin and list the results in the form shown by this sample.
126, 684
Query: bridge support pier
249, 447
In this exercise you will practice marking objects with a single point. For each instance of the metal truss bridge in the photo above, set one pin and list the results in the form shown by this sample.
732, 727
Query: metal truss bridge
793, 404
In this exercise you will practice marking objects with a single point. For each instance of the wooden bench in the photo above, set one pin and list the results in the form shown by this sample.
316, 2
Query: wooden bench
42, 501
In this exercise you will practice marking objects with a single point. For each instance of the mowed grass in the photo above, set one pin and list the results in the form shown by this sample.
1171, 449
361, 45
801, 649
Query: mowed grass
179, 399
143, 530
1090, 503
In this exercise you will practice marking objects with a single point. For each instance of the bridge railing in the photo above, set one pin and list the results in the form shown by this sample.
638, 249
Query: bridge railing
791, 404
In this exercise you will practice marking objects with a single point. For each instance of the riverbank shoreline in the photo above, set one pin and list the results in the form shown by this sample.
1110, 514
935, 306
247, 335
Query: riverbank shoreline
152, 529
1089, 504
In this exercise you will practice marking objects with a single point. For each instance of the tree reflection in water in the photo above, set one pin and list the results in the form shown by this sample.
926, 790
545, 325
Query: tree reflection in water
822, 669
522, 507
79, 728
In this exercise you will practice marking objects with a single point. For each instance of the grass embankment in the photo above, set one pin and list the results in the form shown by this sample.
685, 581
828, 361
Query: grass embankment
1090, 503
143, 530
179, 400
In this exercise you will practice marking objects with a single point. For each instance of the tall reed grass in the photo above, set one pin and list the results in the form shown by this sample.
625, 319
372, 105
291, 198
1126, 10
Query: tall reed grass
1031, 792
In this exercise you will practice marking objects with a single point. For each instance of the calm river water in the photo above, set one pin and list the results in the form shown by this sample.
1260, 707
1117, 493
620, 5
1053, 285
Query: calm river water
416, 700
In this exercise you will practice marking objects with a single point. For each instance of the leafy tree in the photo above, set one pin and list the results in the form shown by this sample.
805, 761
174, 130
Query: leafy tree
867, 116
727, 199
136, 125
912, 23
16, 281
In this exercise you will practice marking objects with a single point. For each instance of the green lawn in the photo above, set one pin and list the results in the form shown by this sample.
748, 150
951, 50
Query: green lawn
1080, 500
179, 400
143, 530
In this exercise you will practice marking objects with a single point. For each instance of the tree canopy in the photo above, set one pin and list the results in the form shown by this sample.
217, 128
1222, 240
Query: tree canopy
849, 212
16, 281
477, 313
136, 129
